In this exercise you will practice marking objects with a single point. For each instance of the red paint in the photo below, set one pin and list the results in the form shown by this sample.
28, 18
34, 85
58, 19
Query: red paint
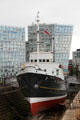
40, 106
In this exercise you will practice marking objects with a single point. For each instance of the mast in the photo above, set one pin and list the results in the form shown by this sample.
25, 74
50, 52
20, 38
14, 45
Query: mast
38, 37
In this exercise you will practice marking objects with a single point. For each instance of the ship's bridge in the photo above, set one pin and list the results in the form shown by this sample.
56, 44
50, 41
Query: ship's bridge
42, 57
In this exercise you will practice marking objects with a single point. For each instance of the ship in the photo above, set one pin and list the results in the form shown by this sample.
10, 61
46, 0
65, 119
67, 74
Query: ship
42, 80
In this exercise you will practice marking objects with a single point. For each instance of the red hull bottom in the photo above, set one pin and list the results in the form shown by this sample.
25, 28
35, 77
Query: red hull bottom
43, 105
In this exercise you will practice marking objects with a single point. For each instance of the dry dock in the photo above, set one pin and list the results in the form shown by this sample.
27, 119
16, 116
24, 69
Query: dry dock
73, 112
13, 107
12, 104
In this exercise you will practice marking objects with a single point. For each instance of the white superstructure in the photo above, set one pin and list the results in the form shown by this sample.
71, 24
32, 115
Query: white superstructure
43, 57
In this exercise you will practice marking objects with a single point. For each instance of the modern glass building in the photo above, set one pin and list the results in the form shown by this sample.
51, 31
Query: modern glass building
63, 37
45, 40
12, 49
62, 40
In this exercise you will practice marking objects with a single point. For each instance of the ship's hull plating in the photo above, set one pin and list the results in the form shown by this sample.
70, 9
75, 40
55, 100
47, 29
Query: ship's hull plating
42, 91
40, 104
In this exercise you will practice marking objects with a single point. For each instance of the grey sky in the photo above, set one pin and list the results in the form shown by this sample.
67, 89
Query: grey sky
23, 12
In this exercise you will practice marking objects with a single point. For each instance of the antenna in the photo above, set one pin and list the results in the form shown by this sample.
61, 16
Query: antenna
38, 16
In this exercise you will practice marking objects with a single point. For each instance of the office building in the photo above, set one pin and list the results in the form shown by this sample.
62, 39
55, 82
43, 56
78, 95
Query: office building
62, 41
76, 58
12, 49
76, 62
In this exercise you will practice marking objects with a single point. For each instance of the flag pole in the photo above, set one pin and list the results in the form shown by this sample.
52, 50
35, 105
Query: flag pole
53, 52
38, 37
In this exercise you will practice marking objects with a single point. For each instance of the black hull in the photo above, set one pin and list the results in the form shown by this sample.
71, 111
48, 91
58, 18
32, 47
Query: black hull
40, 85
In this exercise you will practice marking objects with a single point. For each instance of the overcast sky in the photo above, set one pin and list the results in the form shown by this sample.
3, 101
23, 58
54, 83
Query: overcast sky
23, 12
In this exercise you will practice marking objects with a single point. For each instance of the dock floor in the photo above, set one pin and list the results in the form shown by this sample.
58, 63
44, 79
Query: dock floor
73, 112
12, 104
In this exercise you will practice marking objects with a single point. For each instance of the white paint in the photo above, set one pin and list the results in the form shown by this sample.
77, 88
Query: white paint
42, 55
42, 99
40, 69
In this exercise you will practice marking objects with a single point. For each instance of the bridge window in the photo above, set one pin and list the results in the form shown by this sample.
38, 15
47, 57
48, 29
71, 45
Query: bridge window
35, 60
39, 60
44, 70
31, 60
43, 60
47, 60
